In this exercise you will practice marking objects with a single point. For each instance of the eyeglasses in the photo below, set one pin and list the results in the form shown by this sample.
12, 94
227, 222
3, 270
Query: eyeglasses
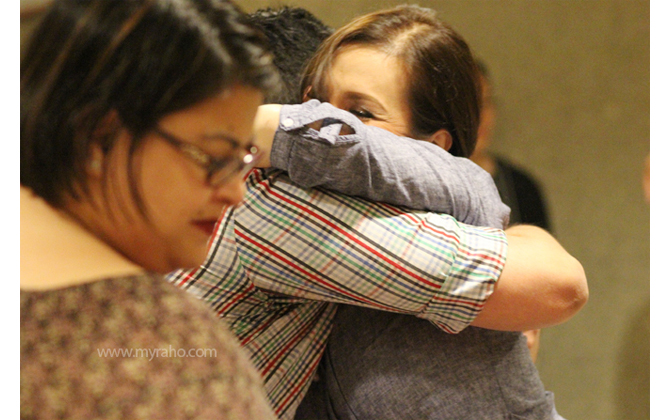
219, 170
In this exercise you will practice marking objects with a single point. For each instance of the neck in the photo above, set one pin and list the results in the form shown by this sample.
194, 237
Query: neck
57, 252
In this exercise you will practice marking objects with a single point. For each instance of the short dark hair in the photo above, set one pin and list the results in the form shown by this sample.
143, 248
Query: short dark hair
294, 34
136, 60
441, 73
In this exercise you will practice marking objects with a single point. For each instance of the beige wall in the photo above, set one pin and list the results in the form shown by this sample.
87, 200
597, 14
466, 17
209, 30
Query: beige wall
572, 81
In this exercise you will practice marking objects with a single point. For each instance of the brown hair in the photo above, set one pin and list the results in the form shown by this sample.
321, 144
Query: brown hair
443, 88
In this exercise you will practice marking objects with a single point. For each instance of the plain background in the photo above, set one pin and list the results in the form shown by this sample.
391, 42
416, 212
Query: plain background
572, 84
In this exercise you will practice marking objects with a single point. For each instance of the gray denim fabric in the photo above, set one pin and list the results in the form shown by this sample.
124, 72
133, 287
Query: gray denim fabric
387, 366
378, 165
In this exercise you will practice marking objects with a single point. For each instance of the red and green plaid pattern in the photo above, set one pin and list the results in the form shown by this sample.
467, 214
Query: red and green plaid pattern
281, 261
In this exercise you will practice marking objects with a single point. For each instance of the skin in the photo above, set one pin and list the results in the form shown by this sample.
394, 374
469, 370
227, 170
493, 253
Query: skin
533, 341
181, 208
646, 179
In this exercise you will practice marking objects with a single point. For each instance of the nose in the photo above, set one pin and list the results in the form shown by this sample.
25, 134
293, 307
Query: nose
231, 192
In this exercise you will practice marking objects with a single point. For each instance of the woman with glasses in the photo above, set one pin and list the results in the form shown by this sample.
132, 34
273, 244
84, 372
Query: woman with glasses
136, 128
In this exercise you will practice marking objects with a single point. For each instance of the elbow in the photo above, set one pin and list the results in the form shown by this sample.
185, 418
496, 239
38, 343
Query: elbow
580, 287
573, 291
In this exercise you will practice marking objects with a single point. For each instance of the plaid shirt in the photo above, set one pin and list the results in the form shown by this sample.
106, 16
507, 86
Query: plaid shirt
280, 263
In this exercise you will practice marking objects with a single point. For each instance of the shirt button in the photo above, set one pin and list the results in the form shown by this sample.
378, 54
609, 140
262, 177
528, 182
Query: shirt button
288, 122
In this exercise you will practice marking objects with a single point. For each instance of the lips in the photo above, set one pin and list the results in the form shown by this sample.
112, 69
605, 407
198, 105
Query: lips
206, 226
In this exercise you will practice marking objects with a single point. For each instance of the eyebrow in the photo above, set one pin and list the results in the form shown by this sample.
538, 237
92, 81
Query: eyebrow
352, 95
221, 136
235, 143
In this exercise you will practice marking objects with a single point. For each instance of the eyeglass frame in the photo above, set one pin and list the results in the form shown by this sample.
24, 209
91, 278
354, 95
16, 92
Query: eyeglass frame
210, 163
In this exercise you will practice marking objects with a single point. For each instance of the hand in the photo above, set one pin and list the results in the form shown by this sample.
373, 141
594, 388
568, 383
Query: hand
265, 126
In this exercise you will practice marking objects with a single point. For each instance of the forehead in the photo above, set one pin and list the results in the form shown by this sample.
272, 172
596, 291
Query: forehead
218, 109
230, 114
373, 81
365, 67
369, 71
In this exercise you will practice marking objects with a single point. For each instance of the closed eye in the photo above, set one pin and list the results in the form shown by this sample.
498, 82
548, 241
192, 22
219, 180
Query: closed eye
362, 114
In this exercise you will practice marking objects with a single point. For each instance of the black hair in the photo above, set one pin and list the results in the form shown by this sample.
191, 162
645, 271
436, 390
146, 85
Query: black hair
294, 34
136, 61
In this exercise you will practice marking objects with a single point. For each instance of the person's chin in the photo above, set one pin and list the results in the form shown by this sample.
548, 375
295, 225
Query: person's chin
191, 258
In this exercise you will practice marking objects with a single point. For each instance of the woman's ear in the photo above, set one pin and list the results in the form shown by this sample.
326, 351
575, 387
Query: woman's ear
306, 96
442, 138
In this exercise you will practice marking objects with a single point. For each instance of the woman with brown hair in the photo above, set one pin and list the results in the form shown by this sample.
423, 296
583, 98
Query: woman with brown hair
436, 75
405, 71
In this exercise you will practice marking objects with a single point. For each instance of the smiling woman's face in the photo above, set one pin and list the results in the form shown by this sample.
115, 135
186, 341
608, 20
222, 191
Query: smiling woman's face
371, 85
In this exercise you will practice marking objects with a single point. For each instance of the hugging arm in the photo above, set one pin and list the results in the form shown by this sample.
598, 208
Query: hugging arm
320, 145
322, 246
541, 284
301, 244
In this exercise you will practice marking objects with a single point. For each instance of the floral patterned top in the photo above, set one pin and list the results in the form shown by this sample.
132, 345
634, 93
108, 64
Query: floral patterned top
132, 348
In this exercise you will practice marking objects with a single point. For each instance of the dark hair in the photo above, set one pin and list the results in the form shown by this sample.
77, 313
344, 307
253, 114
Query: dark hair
293, 35
134, 60
441, 73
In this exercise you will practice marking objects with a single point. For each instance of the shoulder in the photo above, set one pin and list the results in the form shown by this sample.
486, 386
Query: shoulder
527, 192
131, 344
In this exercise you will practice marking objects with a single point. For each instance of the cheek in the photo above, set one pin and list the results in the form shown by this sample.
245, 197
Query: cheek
162, 187
173, 196
173, 202
176, 208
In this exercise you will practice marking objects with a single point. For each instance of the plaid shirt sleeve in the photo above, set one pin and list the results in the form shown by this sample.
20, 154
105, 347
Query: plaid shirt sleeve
311, 244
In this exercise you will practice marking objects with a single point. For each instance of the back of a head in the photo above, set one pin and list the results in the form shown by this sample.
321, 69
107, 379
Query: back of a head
293, 35
135, 60
441, 73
